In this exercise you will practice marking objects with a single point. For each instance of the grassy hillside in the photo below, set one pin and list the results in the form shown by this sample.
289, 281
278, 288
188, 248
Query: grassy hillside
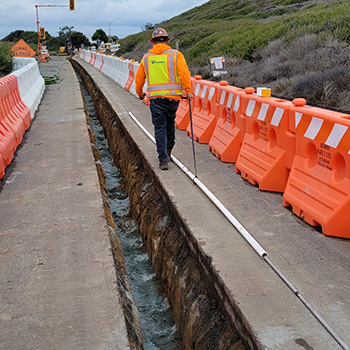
298, 48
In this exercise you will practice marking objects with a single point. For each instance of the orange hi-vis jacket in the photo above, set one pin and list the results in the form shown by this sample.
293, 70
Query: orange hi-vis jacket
166, 72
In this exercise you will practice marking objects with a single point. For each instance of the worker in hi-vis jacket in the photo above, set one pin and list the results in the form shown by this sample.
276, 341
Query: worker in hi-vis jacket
168, 79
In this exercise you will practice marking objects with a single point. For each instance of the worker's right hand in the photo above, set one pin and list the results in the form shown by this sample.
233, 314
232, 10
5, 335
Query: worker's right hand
142, 97
189, 96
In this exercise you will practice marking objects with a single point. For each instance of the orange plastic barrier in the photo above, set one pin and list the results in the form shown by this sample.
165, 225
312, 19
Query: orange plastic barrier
228, 134
318, 188
2, 165
131, 76
12, 109
205, 108
18, 106
7, 136
183, 114
268, 146
7, 144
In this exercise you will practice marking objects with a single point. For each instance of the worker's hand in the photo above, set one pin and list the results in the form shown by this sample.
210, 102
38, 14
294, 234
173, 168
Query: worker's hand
142, 97
189, 96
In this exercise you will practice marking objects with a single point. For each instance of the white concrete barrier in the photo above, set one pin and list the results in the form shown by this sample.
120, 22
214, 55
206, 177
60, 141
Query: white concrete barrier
114, 67
31, 85
19, 62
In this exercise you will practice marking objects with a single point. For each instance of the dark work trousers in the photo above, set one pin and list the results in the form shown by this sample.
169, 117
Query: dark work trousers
163, 118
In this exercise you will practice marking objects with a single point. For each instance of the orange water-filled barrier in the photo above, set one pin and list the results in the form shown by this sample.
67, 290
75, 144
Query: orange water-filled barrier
7, 144
11, 114
226, 140
16, 103
11, 126
318, 188
267, 149
183, 113
204, 113
2, 165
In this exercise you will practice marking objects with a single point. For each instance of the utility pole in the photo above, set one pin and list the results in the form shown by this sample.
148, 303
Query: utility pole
71, 8
109, 27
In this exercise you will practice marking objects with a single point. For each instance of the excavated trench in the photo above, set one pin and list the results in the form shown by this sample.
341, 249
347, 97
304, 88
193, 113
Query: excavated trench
159, 331
205, 315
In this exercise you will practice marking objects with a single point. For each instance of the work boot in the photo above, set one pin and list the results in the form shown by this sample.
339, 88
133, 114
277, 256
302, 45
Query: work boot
163, 165
169, 154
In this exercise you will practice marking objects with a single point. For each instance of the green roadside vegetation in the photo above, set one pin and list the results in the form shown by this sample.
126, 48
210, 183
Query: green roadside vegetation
298, 48
5, 59
237, 28
52, 43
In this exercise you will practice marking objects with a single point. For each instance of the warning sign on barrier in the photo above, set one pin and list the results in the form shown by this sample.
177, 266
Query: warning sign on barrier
22, 49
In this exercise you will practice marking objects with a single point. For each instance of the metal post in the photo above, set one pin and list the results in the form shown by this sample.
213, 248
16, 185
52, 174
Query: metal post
193, 148
109, 27
37, 23
37, 30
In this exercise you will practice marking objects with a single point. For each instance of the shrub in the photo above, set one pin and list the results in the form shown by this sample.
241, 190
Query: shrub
296, 47
5, 59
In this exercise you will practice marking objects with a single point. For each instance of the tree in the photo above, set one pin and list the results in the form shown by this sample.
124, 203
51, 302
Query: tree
79, 38
100, 35
28, 36
64, 34
148, 26
5, 59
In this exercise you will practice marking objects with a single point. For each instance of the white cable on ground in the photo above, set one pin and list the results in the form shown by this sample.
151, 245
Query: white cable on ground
245, 234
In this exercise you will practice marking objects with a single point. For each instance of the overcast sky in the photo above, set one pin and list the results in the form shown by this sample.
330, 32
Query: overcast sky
121, 17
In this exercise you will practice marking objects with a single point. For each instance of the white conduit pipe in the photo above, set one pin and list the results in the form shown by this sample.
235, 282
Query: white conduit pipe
246, 235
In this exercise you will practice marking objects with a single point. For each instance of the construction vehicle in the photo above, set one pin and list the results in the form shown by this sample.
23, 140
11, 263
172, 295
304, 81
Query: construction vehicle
67, 49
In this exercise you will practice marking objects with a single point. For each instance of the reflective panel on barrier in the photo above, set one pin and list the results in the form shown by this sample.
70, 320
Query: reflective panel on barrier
204, 114
318, 188
227, 137
267, 149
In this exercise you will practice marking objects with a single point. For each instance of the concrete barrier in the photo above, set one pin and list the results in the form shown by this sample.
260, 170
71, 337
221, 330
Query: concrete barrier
20, 94
31, 86
20, 62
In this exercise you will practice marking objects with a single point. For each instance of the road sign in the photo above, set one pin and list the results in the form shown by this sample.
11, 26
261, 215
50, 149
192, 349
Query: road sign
22, 49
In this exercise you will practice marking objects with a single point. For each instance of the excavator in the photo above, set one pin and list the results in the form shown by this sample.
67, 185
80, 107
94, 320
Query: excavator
67, 49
